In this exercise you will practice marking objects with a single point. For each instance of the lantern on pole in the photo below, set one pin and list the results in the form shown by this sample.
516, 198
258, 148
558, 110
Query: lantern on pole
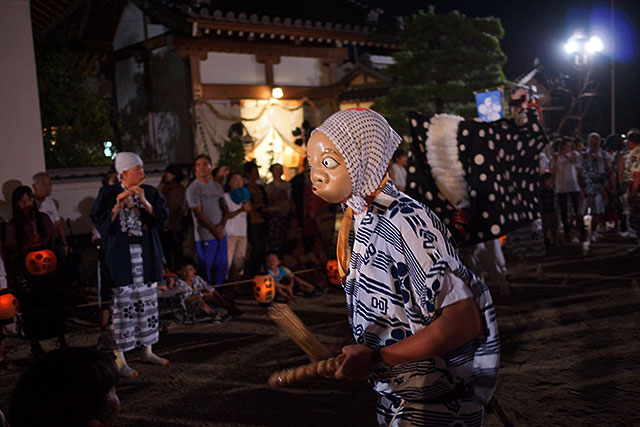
333, 273
264, 288
8, 305
40, 262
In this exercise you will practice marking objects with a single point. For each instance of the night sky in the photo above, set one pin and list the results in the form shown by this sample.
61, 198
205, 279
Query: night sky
539, 29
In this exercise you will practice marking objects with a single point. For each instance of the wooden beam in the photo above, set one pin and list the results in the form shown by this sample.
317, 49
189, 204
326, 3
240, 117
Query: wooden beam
187, 46
144, 46
300, 33
196, 83
231, 91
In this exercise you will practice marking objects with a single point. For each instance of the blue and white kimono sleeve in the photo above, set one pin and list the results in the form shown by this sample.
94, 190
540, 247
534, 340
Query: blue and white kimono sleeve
402, 254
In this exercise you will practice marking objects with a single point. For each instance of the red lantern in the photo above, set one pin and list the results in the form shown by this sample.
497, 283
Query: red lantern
333, 272
8, 305
41, 262
264, 288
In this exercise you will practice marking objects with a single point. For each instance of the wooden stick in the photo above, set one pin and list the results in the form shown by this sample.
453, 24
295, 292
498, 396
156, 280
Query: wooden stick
298, 332
290, 376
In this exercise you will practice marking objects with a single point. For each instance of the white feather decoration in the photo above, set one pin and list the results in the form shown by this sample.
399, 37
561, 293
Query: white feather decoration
442, 156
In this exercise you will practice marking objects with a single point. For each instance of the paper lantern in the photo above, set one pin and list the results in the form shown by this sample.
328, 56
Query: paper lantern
8, 305
333, 272
264, 288
41, 262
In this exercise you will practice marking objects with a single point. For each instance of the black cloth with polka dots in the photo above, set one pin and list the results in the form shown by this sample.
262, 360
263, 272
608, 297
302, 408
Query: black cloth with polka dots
500, 162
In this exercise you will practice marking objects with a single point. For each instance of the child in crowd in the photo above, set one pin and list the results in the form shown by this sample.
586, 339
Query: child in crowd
286, 281
170, 300
548, 209
198, 296
67, 387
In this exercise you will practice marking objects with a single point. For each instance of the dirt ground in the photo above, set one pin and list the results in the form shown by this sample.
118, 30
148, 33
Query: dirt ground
570, 344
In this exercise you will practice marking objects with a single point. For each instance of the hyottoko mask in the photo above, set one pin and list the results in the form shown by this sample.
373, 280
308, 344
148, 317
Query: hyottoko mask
329, 176
349, 154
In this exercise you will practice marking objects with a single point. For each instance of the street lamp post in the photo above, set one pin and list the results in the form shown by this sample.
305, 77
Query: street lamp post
581, 48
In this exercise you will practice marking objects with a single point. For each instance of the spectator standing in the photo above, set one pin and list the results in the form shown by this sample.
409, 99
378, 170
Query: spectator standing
298, 184
597, 176
42, 188
236, 228
258, 225
31, 230
4, 362
105, 285
565, 167
548, 209
129, 216
172, 233
205, 198
398, 169
221, 174
280, 208
632, 182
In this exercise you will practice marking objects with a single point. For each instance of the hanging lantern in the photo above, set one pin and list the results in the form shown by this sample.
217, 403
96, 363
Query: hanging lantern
264, 288
8, 305
41, 262
333, 273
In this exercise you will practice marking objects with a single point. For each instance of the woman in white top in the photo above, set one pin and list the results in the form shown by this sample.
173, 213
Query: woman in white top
565, 167
236, 228
397, 170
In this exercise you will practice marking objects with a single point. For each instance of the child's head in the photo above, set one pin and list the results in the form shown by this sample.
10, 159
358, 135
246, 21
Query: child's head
67, 387
547, 179
566, 146
272, 260
187, 269
235, 181
633, 139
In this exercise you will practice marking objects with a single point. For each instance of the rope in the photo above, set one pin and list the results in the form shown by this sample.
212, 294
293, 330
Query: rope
99, 303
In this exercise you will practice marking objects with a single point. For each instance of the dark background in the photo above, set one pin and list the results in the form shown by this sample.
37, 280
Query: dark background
539, 29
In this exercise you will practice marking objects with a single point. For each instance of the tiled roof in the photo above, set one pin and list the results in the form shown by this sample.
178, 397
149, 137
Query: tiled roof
328, 21
47, 13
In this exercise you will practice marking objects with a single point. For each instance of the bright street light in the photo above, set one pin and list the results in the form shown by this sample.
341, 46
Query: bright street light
571, 46
594, 45
582, 47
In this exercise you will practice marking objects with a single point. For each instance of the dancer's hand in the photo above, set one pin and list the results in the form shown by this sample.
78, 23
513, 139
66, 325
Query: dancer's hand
357, 365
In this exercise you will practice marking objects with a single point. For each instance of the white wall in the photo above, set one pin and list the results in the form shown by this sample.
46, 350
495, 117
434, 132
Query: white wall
297, 71
131, 27
231, 68
75, 198
21, 152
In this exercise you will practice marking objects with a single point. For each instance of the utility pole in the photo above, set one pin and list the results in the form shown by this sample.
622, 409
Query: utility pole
613, 74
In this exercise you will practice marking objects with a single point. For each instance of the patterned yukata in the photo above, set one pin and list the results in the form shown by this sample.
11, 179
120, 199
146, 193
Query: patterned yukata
595, 168
199, 287
631, 167
403, 268
135, 308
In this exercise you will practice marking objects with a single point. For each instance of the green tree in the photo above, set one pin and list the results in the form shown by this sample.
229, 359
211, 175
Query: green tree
444, 59
76, 121
232, 150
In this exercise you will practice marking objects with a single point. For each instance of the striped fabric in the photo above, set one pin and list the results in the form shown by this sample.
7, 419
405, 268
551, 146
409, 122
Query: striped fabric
401, 255
135, 308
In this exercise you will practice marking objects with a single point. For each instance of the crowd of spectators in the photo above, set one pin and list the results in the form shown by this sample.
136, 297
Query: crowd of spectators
222, 227
598, 181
